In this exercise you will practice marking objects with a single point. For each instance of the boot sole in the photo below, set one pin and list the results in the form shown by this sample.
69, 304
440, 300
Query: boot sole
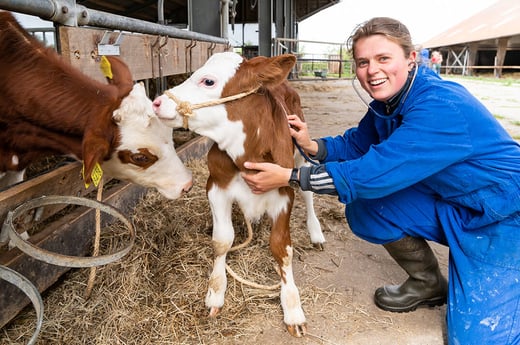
432, 302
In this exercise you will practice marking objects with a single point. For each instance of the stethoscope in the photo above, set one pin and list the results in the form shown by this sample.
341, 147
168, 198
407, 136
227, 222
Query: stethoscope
401, 102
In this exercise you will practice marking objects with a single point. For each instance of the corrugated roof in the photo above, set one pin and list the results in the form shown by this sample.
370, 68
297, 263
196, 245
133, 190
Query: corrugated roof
501, 19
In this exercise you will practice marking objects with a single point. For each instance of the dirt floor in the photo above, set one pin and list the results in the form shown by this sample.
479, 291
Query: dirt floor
336, 284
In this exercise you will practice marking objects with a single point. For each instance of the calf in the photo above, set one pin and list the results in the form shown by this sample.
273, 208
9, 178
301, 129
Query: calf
252, 127
48, 107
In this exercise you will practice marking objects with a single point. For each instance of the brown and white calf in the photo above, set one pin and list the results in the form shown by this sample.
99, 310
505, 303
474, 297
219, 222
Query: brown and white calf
48, 107
251, 128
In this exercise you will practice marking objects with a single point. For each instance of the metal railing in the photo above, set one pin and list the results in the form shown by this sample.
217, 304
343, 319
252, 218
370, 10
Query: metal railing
46, 35
316, 59
71, 14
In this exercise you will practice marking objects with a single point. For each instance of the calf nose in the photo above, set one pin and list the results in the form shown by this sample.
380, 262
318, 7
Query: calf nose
156, 103
188, 186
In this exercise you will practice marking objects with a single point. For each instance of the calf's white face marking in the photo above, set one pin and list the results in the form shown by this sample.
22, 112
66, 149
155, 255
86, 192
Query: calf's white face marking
146, 154
207, 84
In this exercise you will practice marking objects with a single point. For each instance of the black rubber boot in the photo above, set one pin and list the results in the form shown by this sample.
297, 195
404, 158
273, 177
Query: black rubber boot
425, 285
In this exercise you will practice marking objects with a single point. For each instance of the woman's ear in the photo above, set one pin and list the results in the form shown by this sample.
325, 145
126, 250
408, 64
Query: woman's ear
413, 56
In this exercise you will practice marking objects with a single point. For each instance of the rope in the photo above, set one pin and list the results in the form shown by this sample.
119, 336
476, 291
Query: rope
186, 109
239, 278
92, 274
248, 239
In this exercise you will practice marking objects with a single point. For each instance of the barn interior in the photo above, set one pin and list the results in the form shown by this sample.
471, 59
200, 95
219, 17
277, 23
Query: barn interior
193, 30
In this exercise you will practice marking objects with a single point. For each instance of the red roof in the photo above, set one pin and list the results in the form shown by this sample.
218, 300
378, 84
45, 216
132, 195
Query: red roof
501, 19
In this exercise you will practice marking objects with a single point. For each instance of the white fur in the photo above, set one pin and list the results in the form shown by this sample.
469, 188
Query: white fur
289, 294
210, 121
253, 206
140, 128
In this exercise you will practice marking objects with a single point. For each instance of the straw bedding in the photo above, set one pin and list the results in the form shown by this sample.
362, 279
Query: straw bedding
155, 295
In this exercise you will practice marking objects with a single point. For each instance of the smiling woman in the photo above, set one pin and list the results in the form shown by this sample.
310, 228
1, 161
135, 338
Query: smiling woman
424, 157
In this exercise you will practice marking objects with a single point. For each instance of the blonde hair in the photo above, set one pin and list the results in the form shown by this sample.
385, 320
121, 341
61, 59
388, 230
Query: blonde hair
392, 29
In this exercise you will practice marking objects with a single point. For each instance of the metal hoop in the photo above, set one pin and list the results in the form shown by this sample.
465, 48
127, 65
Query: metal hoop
31, 291
66, 260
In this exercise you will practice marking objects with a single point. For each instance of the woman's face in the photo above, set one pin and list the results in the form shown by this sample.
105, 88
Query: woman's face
381, 66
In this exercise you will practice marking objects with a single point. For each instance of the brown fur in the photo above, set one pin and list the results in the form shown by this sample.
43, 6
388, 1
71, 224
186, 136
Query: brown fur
265, 110
49, 107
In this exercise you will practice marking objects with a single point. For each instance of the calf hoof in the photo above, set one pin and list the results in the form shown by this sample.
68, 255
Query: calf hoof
214, 311
318, 246
297, 331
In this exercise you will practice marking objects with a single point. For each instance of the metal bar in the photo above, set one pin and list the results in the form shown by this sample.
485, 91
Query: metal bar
46, 9
265, 20
113, 21
306, 41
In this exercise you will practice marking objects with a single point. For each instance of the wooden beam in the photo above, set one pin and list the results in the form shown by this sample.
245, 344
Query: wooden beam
148, 56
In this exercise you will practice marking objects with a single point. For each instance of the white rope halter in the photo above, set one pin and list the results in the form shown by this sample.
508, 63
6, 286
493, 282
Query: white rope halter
186, 109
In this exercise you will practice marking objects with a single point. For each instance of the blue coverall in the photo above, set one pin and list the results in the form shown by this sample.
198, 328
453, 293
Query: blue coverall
441, 167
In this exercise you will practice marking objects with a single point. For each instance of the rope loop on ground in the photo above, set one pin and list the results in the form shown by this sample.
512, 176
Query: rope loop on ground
239, 278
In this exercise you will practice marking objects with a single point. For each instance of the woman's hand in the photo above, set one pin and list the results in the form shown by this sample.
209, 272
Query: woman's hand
269, 176
300, 133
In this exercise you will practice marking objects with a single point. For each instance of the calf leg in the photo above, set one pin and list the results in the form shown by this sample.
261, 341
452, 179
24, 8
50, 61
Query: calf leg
313, 224
280, 242
222, 239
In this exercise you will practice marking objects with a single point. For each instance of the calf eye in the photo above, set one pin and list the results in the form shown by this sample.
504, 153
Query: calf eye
208, 82
143, 159
139, 158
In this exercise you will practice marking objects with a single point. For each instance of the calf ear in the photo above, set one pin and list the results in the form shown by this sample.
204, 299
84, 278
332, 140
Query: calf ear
95, 148
276, 69
121, 77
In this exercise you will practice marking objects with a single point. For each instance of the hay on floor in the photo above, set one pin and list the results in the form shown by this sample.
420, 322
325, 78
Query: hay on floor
155, 295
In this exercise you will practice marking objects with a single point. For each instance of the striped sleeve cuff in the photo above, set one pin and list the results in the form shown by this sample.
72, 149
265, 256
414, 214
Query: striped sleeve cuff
316, 179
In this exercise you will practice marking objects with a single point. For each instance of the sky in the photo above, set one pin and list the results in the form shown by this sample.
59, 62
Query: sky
424, 20
31, 21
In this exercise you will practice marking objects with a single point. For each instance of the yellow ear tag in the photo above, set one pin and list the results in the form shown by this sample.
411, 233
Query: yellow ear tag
106, 68
96, 175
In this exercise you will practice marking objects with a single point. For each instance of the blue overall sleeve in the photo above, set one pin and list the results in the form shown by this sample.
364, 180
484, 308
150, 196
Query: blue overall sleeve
431, 133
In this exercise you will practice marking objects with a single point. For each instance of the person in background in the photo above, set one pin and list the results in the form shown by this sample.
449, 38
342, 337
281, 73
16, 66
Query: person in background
427, 162
424, 57
436, 61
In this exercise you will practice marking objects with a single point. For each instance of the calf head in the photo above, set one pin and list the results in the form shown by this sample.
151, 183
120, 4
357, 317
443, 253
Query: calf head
145, 152
49, 107
224, 74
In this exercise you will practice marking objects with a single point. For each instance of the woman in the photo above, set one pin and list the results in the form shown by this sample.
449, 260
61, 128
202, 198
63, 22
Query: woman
427, 162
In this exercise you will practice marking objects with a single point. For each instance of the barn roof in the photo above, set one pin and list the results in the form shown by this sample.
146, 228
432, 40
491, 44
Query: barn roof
176, 11
501, 19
